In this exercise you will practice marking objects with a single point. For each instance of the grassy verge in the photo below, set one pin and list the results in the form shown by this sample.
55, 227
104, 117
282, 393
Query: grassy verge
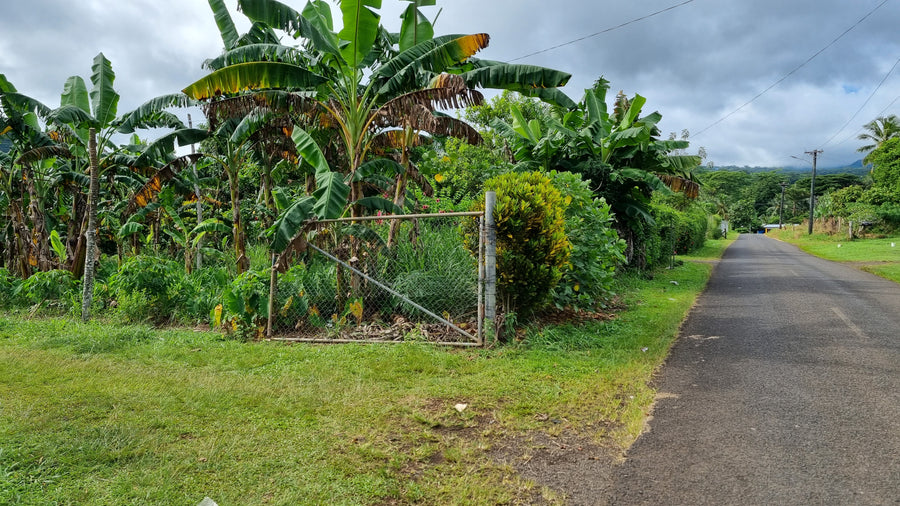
95, 414
878, 256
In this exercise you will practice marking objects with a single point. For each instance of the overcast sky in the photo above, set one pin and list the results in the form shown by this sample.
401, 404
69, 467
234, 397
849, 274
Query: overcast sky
696, 63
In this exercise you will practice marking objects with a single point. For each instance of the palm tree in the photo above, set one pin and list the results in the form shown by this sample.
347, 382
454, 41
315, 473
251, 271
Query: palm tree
879, 130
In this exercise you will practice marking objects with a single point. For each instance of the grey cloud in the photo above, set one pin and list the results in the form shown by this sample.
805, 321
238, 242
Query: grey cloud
695, 64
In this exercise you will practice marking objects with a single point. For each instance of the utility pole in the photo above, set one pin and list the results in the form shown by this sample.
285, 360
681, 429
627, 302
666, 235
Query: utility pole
812, 188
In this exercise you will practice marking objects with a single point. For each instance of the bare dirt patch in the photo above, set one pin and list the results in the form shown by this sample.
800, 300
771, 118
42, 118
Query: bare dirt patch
574, 466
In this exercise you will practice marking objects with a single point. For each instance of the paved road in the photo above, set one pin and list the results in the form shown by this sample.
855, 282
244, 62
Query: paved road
784, 389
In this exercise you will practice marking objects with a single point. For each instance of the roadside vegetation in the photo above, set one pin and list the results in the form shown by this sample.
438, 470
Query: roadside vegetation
879, 256
99, 414
307, 121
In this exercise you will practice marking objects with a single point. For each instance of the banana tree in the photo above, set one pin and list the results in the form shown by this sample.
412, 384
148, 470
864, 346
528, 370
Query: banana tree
85, 122
180, 231
619, 150
27, 169
353, 110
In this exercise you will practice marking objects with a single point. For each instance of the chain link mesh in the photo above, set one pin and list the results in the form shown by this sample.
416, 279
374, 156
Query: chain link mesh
356, 282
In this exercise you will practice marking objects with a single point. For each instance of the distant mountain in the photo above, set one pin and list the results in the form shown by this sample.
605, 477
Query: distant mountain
856, 168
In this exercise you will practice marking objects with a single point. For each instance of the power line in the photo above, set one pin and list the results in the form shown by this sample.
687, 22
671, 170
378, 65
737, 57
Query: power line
858, 130
792, 72
864, 103
603, 31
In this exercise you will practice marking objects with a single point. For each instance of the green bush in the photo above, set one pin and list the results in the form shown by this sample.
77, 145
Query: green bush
532, 248
690, 229
888, 218
196, 294
158, 278
662, 236
596, 248
714, 227
291, 298
51, 288
671, 232
134, 307
245, 304
460, 172
8, 286
313, 288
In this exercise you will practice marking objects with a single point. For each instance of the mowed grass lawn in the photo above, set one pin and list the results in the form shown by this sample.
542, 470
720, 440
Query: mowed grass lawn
878, 256
106, 414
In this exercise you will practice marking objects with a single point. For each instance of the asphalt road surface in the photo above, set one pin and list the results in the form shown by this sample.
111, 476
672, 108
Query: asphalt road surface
783, 389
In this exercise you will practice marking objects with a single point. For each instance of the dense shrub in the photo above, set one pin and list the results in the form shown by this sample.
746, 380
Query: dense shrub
196, 294
291, 297
714, 226
532, 248
596, 248
671, 232
690, 229
460, 172
245, 304
8, 286
661, 236
307, 295
888, 218
55, 287
160, 281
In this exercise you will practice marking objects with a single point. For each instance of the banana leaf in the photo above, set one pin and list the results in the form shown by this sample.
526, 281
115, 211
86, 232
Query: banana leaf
278, 15
361, 25
253, 76
225, 23
104, 99
290, 223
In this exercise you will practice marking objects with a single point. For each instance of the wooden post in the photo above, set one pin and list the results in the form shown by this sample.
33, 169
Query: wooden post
490, 267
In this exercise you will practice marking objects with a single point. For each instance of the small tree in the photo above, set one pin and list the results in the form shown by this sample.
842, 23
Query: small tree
532, 247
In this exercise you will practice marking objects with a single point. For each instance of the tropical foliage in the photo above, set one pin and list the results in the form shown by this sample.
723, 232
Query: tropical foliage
878, 131
311, 116
532, 247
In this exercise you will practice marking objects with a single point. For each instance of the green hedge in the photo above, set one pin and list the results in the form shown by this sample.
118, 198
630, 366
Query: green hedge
671, 232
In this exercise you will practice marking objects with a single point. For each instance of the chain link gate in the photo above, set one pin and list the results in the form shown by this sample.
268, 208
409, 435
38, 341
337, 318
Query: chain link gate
390, 279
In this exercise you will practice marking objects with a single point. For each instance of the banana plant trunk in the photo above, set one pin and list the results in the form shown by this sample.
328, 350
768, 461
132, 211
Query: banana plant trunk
40, 239
87, 297
399, 196
22, 244
240, 246
76, 230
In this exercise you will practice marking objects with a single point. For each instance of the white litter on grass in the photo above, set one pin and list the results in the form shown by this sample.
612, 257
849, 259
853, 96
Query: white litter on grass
207, 502
839, 245
461, 407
